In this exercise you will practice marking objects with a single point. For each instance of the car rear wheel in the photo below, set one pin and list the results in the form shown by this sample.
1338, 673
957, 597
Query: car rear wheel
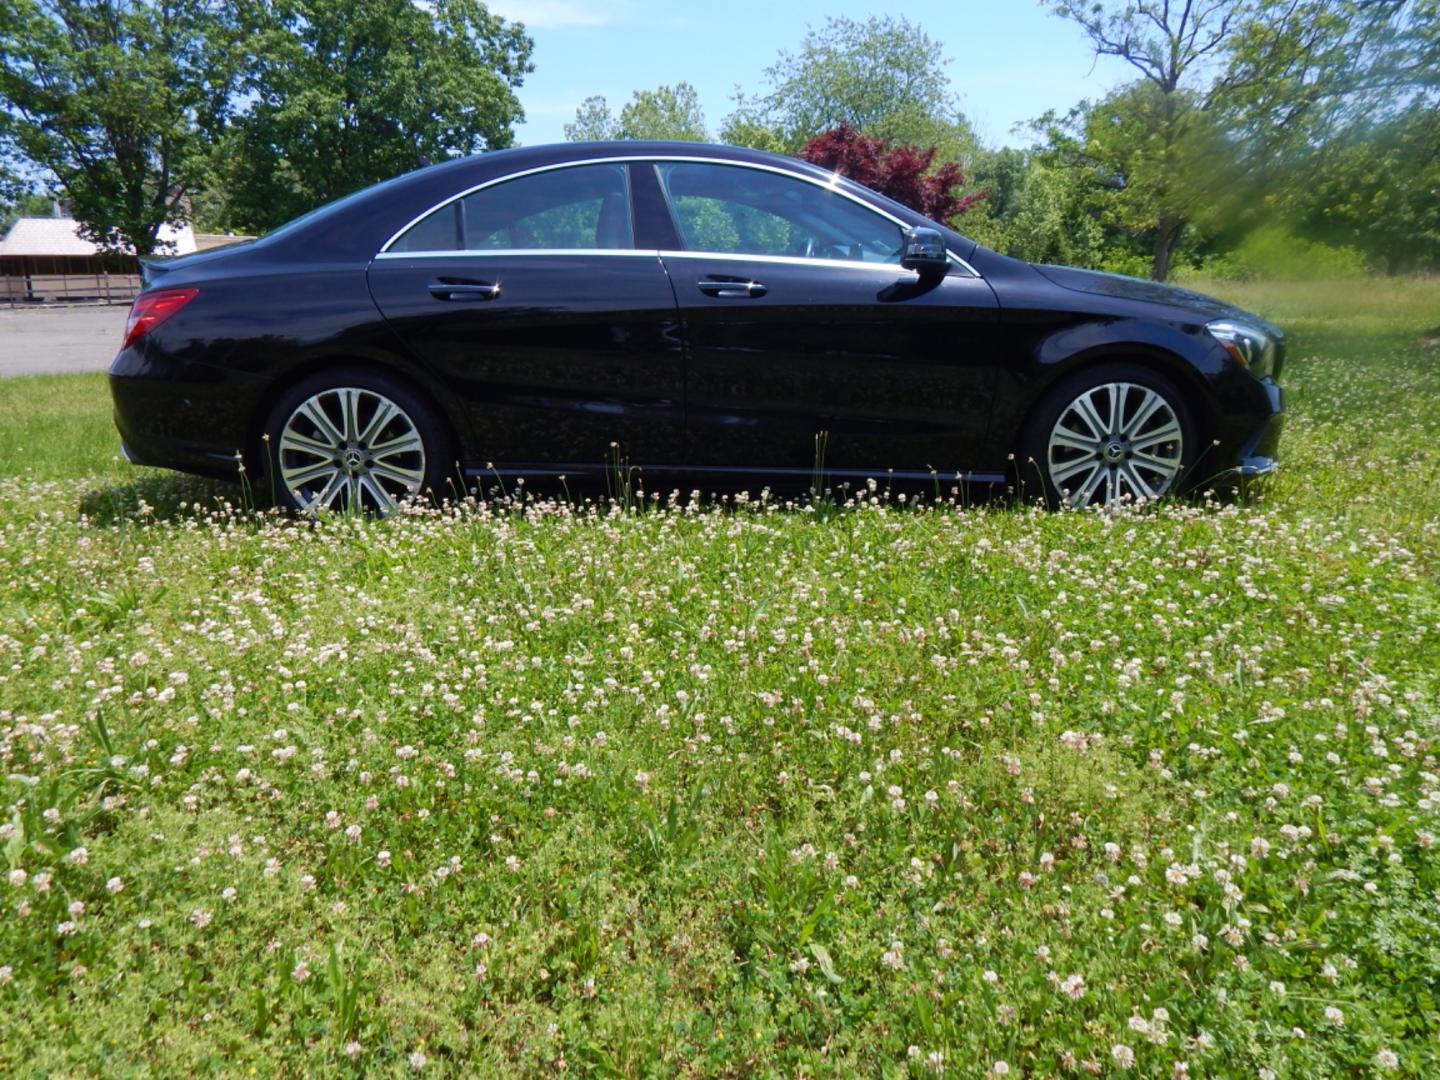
354, 440
1116, 433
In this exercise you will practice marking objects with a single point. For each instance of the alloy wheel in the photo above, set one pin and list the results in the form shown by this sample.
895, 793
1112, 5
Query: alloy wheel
1118, 441
350, 449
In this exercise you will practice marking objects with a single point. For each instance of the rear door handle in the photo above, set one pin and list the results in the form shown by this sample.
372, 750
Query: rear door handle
730, 288
463, 289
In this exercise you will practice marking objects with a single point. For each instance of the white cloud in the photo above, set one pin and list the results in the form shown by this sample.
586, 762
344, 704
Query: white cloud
556, 14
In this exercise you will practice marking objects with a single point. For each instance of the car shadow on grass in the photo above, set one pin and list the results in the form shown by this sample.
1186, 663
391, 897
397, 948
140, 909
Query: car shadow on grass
160, 496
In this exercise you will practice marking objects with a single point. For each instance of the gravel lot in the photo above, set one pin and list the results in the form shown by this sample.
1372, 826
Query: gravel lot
49, 341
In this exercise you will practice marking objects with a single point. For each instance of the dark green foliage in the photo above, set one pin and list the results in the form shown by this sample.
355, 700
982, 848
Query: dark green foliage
351, 92
117, 100
667, 112
883, 76
1229, 95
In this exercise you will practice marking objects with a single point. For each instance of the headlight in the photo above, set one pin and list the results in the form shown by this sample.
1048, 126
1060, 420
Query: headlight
1249, 345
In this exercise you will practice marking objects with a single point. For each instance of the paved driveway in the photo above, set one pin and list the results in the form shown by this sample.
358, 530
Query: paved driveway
48, 341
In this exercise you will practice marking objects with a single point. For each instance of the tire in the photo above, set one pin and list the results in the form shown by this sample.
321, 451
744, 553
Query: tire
1075, 452
394, 447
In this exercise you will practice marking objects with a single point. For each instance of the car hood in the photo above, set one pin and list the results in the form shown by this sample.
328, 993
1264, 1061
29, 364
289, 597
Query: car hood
1124, 287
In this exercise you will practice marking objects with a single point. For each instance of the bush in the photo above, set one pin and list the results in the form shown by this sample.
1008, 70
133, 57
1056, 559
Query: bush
1117, 260
1272, 253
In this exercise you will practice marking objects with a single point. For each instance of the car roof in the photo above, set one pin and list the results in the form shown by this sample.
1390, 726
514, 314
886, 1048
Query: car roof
357, 225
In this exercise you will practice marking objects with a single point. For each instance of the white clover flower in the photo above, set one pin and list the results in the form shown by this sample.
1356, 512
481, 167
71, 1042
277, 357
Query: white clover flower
894, 957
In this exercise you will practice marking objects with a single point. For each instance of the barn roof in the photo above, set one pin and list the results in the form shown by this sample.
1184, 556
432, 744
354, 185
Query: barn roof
61, 236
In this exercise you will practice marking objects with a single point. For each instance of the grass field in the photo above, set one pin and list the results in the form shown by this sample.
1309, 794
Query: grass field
877, 791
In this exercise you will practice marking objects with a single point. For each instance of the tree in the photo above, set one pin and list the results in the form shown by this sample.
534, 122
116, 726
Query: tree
1251, 75
667, 112
18, 200
749, 126
1154, 165
118, 101
883, 76
13, 188
1036, 211
1377, 189
1361, 168
345, 93
593, 122
905, 173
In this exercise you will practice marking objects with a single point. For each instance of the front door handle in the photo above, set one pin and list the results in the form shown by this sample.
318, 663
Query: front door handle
731, 287
463, 289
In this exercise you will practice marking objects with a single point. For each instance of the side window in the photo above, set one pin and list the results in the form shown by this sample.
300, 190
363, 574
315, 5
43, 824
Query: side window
738, 210
584, 207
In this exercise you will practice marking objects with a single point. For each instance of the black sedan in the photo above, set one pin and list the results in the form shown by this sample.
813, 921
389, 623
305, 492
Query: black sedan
724, 317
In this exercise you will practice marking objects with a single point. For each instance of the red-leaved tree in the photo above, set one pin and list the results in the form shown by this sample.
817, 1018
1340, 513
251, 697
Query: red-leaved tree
901, 172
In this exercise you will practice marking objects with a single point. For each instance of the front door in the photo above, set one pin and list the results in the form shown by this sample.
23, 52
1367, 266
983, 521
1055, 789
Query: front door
800, 321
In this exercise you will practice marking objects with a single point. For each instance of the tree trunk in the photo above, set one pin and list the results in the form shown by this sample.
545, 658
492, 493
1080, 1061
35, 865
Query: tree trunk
1166, 234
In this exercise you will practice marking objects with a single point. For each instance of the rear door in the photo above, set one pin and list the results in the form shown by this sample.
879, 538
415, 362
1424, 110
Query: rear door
529, 302
800, 320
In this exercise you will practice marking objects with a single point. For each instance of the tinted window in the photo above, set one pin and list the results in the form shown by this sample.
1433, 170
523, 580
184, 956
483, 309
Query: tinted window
733, 209
583, 207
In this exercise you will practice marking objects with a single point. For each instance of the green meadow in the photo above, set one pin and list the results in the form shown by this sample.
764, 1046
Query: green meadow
660, 787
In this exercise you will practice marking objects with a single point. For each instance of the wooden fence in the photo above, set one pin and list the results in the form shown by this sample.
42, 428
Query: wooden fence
32, 289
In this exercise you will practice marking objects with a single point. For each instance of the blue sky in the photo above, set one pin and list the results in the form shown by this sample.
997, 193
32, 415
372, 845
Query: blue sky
1009, 60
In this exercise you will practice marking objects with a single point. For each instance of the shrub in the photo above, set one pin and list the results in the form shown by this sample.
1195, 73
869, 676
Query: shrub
1273, 253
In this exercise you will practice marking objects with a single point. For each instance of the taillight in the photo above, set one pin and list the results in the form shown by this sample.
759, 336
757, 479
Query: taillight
153, 308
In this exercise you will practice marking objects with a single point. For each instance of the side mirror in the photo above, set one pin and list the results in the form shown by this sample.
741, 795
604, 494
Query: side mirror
924, 252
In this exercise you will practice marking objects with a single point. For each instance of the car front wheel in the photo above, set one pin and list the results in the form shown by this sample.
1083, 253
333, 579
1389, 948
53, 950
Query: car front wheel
1115, 433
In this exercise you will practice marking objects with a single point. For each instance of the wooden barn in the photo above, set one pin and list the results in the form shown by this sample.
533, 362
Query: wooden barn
45, 259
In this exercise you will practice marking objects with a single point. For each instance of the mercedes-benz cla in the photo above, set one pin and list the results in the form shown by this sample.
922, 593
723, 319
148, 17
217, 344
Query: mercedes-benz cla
708, 310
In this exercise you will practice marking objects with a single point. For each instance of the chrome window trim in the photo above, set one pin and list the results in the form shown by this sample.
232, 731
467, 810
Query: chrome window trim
832, 185
789, 260
470, 253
